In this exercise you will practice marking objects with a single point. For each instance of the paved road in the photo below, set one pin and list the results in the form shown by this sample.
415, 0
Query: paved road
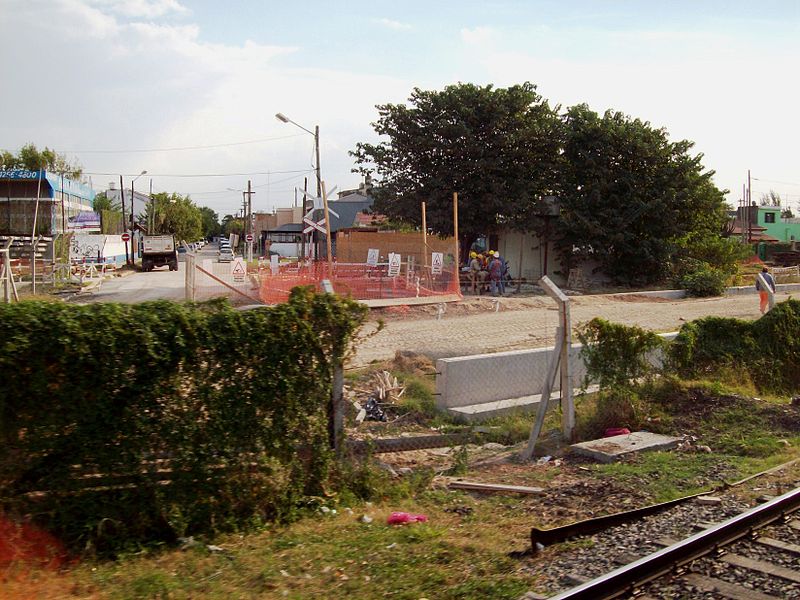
161, 284
535, 326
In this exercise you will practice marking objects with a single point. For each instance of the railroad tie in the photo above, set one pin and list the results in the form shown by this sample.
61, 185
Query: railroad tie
724, 588
761, 566
778, 545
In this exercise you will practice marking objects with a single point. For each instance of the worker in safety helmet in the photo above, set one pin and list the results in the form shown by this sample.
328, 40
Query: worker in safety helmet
496, 275
477, 275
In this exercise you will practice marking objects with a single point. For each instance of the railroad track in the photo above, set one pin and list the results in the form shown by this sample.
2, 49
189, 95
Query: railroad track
754, 555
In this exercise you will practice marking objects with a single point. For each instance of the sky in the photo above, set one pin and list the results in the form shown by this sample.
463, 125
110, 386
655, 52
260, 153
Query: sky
188, 89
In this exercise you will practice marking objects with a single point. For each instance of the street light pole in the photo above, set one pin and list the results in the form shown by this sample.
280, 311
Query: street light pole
133, 196
284, 119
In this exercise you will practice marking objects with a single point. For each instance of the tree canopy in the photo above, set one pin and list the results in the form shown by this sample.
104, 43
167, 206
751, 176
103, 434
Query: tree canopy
175, 214
498, 148
631, 201
30, 157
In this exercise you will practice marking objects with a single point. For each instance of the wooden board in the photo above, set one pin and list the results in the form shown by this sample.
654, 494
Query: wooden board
494, 487
723, 588
762, 567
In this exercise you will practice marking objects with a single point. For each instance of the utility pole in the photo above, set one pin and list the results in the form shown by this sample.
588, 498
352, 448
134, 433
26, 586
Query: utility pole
124, 222
248, 209
319, 173
749, 210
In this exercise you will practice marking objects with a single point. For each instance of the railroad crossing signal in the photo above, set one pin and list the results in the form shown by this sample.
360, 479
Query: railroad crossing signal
312, 225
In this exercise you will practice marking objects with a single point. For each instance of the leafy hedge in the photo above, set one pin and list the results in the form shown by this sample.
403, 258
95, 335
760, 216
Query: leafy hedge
767, 349
616, 355
230, 407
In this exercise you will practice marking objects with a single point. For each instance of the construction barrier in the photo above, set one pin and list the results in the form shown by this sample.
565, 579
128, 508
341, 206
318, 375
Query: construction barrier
360, 281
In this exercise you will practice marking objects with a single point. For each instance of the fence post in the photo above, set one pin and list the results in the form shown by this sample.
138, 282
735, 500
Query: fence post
336, 408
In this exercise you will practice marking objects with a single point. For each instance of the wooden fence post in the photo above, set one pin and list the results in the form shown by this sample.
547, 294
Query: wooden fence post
336, 409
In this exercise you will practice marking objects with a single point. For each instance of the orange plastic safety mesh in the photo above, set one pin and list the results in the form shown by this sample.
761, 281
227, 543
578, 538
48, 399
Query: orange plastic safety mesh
359, 281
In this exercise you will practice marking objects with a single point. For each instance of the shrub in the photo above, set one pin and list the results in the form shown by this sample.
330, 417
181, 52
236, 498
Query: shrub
705, 281
768, 349
230, 406
616, 355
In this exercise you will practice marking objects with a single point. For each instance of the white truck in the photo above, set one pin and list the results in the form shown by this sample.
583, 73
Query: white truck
159, 250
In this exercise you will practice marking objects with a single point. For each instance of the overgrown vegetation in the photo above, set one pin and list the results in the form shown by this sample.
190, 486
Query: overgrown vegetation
229, 406
768, 349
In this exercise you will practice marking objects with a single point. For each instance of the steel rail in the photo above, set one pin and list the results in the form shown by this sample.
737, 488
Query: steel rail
627, 579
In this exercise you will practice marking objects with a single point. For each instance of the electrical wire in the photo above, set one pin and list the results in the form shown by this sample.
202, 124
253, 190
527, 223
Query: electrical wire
182, 148
202, 174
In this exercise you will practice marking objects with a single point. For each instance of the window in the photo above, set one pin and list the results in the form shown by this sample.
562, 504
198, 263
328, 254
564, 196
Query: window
769, 217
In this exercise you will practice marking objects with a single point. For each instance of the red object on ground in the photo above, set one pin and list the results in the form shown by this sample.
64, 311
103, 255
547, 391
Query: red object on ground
612, 431
23, 542
400, 518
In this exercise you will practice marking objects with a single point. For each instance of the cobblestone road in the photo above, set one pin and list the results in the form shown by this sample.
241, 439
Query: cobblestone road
535, 326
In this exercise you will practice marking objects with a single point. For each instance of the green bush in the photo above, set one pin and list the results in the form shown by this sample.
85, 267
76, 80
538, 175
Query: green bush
230, 407
616, 355
768, 349
705, 281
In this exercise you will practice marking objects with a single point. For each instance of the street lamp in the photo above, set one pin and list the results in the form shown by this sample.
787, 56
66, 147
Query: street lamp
284, 119
133, 196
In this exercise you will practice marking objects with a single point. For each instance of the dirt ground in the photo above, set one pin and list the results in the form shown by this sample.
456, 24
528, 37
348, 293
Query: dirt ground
479, 325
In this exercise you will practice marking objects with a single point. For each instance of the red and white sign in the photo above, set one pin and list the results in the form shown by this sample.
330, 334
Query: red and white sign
249, 237
312, 225
126, 237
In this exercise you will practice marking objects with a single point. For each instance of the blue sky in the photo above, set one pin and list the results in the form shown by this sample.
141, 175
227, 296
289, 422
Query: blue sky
124, 76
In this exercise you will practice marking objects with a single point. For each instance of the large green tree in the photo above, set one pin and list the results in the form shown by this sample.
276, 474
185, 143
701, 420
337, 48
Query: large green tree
632, 201
175, 214
497, 147
211, 225
30, 157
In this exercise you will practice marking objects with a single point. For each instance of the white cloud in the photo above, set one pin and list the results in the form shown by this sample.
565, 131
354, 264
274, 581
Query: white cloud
392, 24
148, 9
154, 84
477, 35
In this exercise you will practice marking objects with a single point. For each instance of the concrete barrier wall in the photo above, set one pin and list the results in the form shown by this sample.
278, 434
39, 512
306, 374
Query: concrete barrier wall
483, 378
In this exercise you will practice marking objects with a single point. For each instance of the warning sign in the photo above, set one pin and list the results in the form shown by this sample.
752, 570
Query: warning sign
394, 264
238, 270
437, 259
372, 257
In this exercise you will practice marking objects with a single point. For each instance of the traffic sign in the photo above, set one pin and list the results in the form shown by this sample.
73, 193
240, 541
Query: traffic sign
372, 257
394, 264
126, 237
437, 260
249, 237
238, 270
312, 225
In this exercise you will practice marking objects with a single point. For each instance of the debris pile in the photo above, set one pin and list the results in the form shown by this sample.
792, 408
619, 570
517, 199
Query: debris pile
385, 391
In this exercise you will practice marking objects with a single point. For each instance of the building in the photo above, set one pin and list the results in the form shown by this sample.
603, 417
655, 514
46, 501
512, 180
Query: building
50, 199
765, 224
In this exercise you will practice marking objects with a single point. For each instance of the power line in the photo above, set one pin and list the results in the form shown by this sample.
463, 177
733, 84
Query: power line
181, 148
202, 174
775, 181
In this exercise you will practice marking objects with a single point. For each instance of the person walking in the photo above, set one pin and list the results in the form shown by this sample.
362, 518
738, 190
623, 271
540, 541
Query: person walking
762, 293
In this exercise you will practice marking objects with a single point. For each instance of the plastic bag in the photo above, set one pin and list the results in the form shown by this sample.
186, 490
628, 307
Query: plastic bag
400, 518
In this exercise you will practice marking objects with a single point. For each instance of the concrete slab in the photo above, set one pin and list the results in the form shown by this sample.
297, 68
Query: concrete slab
610, 449
483, 411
